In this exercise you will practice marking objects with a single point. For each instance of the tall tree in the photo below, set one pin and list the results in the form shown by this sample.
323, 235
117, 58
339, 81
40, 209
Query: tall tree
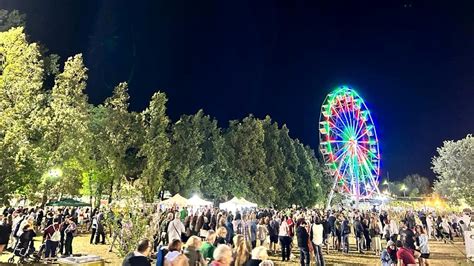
287, 176
65, 124
155, 147
246, 156
22, 101
454, 168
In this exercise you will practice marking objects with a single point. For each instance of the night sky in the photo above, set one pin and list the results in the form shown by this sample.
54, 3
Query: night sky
412, 61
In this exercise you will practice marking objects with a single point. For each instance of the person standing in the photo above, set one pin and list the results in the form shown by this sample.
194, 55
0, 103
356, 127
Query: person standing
375, 228
423, 245
69, 232
262, 231
285, 240
317, 231
302, 237
100, 228
273, 230
345, 231
52, 235
175, 229
5, 231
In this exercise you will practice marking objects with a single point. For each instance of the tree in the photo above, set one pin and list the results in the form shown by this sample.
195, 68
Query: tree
287, 175
21, 104
65, 126
11, 19
417, 185
155, 147
246, 157
454, 168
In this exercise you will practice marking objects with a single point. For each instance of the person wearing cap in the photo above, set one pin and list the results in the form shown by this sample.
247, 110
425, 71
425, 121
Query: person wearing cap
389, 255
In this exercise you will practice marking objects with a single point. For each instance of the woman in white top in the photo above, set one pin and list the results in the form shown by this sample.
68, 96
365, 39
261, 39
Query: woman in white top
423, 245
285, 240
262, 231
316, 234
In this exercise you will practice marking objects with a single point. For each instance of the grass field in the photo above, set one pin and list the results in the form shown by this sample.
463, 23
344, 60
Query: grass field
441, 254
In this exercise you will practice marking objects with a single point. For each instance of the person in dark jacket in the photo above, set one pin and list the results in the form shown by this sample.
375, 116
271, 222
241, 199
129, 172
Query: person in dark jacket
303, 237
140, 256
345, 231
359, 232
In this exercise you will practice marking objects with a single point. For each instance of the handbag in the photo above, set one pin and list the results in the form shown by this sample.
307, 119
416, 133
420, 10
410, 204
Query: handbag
182, 235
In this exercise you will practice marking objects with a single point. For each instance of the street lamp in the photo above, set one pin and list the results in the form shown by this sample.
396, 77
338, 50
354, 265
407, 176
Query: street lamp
404, 189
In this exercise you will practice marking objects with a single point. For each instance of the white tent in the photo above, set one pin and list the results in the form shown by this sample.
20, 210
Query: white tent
236, 203
197, 201
176, 200
248, 204
231, 204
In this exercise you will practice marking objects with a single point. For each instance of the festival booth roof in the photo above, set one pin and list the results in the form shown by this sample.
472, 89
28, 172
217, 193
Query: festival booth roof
176, 200
236, 203
197, 201
68, 203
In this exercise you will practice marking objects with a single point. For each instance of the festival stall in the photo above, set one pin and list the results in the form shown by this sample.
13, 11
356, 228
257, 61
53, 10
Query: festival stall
237, 204
196, 201
176, 200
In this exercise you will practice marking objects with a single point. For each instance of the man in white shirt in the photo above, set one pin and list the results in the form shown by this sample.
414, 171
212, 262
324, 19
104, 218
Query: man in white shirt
175, 228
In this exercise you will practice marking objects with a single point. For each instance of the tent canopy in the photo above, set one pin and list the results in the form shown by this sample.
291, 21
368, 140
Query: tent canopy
236, 203
197, 201
176, 200
68, 203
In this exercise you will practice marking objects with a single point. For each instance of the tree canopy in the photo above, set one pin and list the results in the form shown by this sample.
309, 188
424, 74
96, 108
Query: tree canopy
49, 124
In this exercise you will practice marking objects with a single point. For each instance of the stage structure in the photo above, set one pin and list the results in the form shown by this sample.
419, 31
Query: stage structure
349, 145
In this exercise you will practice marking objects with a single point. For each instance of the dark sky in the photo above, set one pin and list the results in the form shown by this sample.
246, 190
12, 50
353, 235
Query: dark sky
412, 61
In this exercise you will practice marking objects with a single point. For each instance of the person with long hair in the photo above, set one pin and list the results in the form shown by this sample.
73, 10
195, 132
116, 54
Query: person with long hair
192, 251
285, 239
375, 229
423, 245
241, 254
262, 231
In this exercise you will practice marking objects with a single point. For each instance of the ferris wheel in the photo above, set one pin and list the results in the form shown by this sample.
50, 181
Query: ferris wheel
349, 144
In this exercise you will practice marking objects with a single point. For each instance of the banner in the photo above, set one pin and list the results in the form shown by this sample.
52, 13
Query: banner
469, 239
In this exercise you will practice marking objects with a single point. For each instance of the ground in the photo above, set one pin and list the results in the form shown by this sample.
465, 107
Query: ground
441, 254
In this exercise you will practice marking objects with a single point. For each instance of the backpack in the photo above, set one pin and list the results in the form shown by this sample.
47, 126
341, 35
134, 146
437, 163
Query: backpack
56, 236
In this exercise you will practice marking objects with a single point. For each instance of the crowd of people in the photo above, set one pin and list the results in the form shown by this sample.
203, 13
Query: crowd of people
210, 236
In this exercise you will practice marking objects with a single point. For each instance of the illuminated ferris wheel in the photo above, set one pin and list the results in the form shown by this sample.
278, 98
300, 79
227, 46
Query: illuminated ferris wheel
349, 144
